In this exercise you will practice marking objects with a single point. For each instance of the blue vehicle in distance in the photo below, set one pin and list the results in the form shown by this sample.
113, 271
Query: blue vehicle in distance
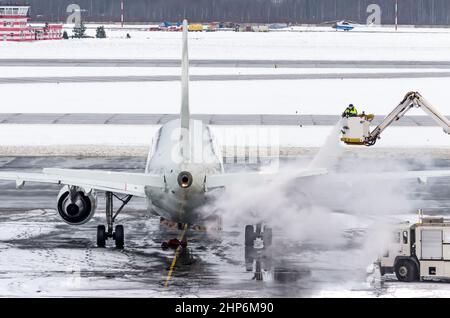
343, 25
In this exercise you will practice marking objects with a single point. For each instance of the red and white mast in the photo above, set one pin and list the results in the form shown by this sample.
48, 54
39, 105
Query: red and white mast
121, 12
396, 15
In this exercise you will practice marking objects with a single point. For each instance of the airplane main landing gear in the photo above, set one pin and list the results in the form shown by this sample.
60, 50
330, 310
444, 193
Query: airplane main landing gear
251, 234
118, 235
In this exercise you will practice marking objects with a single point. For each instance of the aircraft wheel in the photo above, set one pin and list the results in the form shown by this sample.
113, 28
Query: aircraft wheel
119, 236
249, 236
249, 253
101, 236
267, 236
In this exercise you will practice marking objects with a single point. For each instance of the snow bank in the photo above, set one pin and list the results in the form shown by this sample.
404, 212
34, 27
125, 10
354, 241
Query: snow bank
26, 71
141, 136
318, 97
422, 44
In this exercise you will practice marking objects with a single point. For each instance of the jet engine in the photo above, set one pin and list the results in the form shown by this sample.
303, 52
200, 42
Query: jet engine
75, 206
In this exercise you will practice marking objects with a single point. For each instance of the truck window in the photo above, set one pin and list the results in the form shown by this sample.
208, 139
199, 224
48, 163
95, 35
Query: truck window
405, 237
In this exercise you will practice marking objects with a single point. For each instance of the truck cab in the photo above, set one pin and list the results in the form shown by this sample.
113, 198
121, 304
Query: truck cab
419, 251
401, 247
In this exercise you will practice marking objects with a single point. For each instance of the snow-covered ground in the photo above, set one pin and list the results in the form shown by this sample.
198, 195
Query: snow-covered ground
419, 45
38, 71
139, 135
304, 97
245, 97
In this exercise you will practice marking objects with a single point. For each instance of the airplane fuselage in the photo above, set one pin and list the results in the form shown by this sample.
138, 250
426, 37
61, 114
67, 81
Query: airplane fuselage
190, 161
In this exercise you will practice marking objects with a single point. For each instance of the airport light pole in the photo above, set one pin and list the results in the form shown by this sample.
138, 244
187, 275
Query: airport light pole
396, 15
121, 12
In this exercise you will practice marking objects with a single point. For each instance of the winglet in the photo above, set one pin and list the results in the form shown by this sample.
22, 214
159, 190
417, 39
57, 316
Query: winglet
184, 114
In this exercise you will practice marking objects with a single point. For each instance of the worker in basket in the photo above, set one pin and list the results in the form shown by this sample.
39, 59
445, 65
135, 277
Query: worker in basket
350, 111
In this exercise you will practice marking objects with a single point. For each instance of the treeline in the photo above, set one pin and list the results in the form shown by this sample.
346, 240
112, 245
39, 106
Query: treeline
419, 12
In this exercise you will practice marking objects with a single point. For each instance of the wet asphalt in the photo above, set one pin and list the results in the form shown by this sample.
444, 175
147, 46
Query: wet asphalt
42, 256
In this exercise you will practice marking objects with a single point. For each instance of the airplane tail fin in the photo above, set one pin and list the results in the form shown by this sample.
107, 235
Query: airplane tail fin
184, 113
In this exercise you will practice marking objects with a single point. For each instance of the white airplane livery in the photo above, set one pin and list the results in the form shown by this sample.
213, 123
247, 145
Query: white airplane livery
184, 165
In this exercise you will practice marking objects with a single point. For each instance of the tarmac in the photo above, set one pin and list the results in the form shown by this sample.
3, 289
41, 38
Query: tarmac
43, 257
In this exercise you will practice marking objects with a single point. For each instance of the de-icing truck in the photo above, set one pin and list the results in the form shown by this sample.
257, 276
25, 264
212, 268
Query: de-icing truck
419, 251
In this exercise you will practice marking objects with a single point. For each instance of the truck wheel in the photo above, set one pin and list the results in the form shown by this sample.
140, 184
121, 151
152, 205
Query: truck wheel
406, 271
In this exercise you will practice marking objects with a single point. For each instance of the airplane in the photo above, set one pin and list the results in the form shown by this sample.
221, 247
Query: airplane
183, 170
343, 25
168, 26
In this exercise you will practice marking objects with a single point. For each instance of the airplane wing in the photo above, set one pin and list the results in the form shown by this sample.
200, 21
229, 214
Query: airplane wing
421, 176
224, 180
227, 179
118, 182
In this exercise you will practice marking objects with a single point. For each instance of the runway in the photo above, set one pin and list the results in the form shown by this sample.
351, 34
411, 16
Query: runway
209, 119
42, 256
396, 64
199, 78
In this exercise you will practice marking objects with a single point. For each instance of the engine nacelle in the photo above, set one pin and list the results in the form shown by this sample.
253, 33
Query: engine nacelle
76, 210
